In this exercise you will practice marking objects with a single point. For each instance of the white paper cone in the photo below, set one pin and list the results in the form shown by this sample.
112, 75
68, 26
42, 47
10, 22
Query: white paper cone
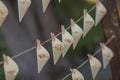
45, 4
76, 75
107, 54
10, 68
100, 12
57, 48
88, 23
23, 6
3, 12
95, 65
67, 40
42, 56
76, 33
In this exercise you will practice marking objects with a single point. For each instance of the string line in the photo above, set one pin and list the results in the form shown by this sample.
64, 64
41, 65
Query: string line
30, 49
111, 38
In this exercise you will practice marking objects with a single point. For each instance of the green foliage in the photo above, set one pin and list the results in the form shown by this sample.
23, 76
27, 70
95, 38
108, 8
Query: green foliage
1, 73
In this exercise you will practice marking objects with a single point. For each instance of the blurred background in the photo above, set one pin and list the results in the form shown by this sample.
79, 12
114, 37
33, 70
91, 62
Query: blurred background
17, 37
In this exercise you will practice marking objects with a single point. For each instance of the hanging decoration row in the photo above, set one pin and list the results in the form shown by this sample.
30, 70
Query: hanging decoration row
95, 64
61, 47
11, 68
23, 6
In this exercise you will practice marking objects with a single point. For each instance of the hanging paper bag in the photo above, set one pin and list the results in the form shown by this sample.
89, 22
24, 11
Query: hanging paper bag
67, 40
95, 65
76, 75
100, 12
88, 23
76, 33
45, 4
3, 13
10, 68
23, 6
57, 48
42, 56
107, 54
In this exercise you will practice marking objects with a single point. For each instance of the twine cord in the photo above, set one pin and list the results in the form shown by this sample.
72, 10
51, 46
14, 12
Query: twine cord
109, 40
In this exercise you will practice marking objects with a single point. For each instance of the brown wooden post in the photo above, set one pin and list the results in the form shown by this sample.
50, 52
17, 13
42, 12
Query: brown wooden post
111, 23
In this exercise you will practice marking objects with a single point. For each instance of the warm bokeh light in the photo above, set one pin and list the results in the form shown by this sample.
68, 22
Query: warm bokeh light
91, 1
